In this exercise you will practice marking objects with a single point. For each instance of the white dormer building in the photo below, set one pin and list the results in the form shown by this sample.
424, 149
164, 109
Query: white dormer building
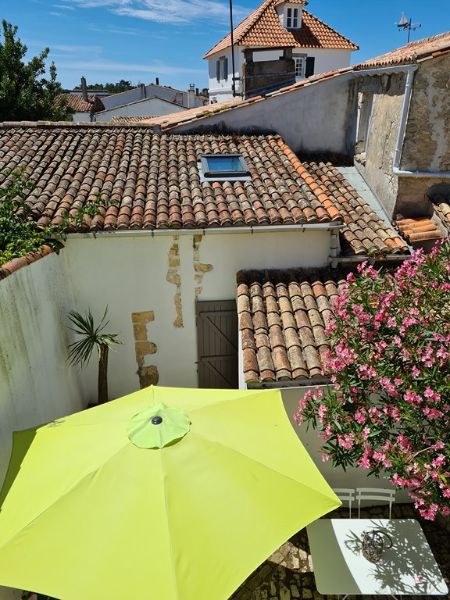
275, 27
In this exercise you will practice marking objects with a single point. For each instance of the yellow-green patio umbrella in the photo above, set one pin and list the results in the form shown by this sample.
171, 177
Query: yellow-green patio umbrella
165, 494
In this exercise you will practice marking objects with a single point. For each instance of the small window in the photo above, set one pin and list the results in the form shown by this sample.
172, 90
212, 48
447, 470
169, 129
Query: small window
225, 68
300, 66
292, 18
224, 167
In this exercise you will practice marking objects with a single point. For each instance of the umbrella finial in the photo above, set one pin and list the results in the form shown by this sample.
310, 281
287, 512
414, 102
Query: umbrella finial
173, 424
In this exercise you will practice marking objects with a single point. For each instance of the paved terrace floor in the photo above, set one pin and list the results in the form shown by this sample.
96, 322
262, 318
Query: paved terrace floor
288, 573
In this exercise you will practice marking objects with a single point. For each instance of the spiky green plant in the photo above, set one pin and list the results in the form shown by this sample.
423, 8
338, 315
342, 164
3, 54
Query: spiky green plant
91, 338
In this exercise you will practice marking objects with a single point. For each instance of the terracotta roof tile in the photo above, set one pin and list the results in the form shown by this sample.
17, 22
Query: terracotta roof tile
364, 231
142, 180
262, 28
419, 230
15, 264
411, 53
77, 103
282, 319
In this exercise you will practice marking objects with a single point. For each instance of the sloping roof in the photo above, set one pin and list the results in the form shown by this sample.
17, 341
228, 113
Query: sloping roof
150, 181
147, 181
77, 103
282, 320
411, 53
262, 28
364, 231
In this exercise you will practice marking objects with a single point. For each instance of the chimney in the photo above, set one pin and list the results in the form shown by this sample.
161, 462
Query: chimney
157, 81
191, 96
84, 89
143, 90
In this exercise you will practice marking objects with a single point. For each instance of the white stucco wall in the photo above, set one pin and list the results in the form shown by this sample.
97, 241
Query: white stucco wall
222, 90
36, 384
151, 107
81, 117
129, 274
315, 118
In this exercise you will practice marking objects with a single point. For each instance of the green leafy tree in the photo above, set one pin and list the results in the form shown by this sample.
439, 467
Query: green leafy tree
25, 92
20, 233
114, 88
92, 338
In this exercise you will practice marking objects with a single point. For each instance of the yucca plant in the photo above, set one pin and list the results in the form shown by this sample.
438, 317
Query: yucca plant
92, 338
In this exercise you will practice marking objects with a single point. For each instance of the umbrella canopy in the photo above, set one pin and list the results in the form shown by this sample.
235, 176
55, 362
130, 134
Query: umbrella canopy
164, 494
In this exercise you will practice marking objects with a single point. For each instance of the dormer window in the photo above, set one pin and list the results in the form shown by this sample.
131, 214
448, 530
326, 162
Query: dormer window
292, 21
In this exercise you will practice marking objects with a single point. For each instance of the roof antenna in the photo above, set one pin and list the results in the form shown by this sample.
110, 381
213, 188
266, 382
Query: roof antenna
233, 84
406, 24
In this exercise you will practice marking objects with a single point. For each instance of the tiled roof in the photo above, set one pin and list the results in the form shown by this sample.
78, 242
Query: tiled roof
77, 103
129, 120
146, 181
364, 231
262, 28
18, 263
167, 122
282, 319
411, 53
419, 230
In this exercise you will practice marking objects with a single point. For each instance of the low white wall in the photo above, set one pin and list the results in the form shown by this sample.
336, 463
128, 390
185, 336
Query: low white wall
36, 384
139, 274
315, 118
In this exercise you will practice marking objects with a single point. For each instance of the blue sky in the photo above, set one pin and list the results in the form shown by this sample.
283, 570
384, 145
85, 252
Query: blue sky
108, 40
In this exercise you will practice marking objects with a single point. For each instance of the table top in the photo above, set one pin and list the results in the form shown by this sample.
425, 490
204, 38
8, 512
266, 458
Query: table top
408, 567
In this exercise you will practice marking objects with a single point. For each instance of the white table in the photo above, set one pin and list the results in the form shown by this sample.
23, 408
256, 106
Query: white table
340, 568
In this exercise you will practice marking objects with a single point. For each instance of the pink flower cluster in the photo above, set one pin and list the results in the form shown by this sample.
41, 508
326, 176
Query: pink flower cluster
389, 406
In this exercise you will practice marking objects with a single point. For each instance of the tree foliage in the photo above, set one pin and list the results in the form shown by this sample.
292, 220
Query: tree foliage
25, 91
92, 338
20, 233
114, 88
389, 408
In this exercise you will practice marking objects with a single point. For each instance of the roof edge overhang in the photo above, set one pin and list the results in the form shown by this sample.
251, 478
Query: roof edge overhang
302, 228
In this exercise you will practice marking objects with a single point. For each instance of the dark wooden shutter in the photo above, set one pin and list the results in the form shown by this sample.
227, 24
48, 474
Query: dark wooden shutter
310, 60
218, 70
217, 344
225, 68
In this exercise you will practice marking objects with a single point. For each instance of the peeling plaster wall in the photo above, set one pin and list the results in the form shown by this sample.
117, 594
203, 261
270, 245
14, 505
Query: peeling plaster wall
375, 164
151, 284
427, 136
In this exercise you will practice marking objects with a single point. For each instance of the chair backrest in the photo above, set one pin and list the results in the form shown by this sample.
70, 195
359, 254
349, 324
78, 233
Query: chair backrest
378, 494
346, 495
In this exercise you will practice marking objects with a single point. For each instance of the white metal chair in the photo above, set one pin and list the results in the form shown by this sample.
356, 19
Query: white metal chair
346, 495
379, 494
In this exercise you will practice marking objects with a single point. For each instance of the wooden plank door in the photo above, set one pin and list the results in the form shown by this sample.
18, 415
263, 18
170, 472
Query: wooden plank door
217, 344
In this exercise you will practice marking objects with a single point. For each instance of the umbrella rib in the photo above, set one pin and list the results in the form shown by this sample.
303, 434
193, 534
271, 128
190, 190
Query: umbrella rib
171, 554
257, 462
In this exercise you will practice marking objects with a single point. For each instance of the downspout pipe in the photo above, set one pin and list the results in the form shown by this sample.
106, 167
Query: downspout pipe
401, 135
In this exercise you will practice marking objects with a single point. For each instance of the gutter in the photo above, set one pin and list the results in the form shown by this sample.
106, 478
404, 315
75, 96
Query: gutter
208, 231
353, 260
401, 135
288, 384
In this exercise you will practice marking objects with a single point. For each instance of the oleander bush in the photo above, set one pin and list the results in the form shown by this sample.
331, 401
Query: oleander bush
388, 408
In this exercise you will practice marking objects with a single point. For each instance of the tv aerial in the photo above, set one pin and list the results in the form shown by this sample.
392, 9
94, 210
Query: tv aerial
406, 24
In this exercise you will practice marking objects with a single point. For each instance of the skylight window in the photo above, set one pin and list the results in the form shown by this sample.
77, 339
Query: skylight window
224, 167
